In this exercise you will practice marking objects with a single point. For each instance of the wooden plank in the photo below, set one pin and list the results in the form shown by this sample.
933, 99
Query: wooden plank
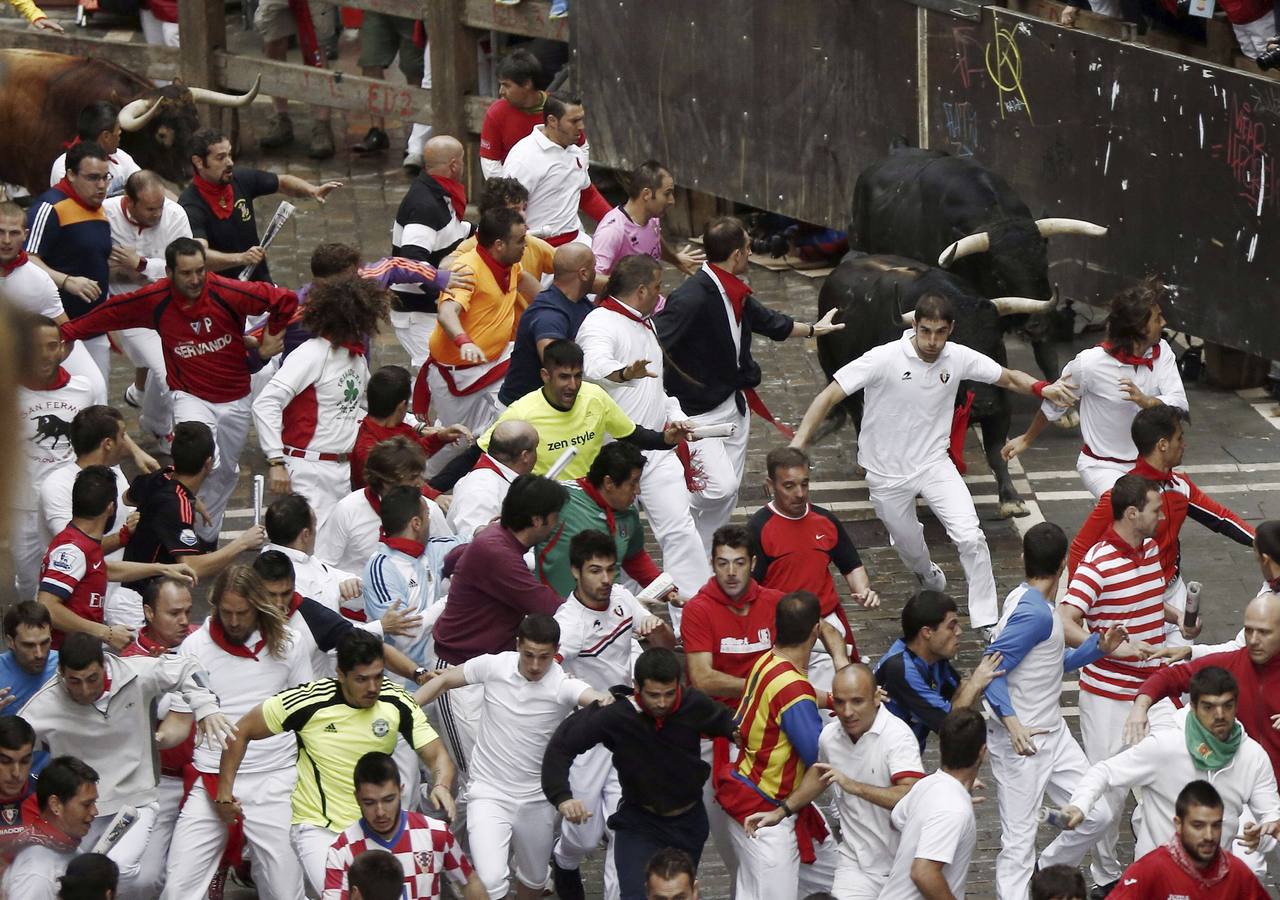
408, 9
145, 59
324, 87
1051, 11
196, 64
476, 107
454, 75
529, 18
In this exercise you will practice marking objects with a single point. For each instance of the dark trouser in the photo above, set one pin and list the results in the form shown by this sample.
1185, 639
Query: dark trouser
639, 834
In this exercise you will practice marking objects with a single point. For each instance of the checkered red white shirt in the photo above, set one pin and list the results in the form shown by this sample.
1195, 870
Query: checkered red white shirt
1116, 584
425, 848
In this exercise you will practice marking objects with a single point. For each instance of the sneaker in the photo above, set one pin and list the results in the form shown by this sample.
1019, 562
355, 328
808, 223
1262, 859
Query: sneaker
568, 882
1101, 891
375, 141
279, 132
321, 141
936, 580
133, 396
559, 9
412, 165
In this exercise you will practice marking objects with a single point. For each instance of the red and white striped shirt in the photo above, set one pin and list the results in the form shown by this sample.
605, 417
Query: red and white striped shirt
1116, 584
424, 847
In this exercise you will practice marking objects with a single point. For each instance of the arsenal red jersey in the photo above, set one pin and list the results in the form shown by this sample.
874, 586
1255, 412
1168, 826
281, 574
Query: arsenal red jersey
75, 572
203, 340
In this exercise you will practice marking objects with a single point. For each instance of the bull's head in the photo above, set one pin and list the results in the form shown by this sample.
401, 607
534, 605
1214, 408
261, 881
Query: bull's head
1017, 251
157, 126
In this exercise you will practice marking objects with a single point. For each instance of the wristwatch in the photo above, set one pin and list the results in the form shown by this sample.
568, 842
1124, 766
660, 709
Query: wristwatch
420, 673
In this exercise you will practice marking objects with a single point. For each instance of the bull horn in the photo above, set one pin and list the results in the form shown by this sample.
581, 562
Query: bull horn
909, 318
1012, 306
217, 98
966, 246
136, 114
1050, 227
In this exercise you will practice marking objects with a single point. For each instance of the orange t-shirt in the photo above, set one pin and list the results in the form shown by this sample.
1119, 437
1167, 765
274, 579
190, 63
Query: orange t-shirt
488, 312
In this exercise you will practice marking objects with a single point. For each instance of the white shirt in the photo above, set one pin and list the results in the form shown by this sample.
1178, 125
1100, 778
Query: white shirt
1161, 765
596, 645
477, 498
29, 287
888, 751
120, 166
349, 536
315, 401
35, 873
611, 341
147, 242
554, 176
46, 430
241, 683
1035, 683
908, 403
317, 579
517, 720
936, 823
1105, 412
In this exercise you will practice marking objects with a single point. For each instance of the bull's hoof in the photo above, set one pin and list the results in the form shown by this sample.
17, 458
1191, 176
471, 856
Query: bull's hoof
1013, 509
1069, 419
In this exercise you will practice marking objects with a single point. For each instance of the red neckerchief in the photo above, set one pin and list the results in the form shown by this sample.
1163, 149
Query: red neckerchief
150, 645
735, 289
355, 348
65, 186
42, 833
1273, 584
619, 307
457, 194
591, 491
124, 208
294, 602
374, 500
241, 650
1207, 877
106, 683
488, 462
1128, 358
1150, 472
712, 590
6, 269
404, 545
220, 198
1124, 547
60, 381
67, 145
500, 272
658, 721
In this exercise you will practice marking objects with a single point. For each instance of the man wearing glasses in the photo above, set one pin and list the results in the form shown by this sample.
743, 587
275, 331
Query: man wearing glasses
70, 237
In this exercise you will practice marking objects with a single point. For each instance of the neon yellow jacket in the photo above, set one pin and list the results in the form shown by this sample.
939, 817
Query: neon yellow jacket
29, 10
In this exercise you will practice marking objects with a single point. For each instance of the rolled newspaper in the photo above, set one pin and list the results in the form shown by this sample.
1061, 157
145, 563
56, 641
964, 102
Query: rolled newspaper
258, 484
723, 430
562, 463
282, 214
116, 830
659, 587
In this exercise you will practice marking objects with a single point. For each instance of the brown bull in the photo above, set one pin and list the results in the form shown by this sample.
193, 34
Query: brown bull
41, 94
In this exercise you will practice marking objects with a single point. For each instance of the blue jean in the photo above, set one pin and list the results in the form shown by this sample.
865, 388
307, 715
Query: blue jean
639, 834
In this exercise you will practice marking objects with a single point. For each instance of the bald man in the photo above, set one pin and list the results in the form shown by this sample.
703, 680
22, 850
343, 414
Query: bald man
555, 314
428, 227
478, 495
874, 758
143, 222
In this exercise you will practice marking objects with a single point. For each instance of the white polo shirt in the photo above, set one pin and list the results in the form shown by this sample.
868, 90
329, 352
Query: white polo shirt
120, 165
908, 403
29, 288
611, 341
318, 580
478, 496
554, 176
596, 645
241, 683
350, 534
936, 822
517, 719
1105, 412
147, 242
887, 753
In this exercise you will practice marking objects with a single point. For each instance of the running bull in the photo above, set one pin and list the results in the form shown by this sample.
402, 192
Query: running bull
928, 205
41, 94
876, 295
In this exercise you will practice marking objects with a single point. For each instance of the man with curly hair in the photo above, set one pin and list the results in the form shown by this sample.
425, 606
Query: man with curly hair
308, 414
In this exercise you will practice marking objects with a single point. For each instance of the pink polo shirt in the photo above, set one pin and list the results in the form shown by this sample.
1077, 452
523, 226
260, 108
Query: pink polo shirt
617, 236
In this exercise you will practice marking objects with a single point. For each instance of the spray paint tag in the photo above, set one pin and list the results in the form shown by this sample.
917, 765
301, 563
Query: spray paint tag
1202, 8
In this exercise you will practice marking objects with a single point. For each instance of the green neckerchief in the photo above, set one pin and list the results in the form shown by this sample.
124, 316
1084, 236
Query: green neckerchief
1207, 752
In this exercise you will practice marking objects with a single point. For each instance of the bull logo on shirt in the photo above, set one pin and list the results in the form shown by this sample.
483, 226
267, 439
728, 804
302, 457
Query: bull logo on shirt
51, 427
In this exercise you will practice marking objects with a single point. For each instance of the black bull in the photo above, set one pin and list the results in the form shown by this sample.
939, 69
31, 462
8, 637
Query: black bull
871, 294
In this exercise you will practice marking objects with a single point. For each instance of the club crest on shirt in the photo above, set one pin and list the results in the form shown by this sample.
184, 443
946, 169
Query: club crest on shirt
9, 815
188, 537
62, 560
380, 728
944, 376
424, 860
617, 610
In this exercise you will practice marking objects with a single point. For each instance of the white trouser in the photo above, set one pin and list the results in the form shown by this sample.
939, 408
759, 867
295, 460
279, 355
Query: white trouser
27, 546
851, 883
151, 879
500, 825
420, 133
410, 773
143, 347
157, 32
477, 411
230, 425
311, 843
100, 352
200, 837
1175, 596
942, 488
769, 866
722, 462
322, 481
80, 362
594, 783
455, 715
1100, 475
1021, 784
667, 503
1106, 7
1253, 36
720, 824
128, 852
413, 331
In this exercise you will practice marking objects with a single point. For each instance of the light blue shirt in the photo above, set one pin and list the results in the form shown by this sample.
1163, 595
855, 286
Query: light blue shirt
23, 686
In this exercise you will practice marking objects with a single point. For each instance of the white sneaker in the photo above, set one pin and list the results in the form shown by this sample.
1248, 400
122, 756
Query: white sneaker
936, 580
133, 396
